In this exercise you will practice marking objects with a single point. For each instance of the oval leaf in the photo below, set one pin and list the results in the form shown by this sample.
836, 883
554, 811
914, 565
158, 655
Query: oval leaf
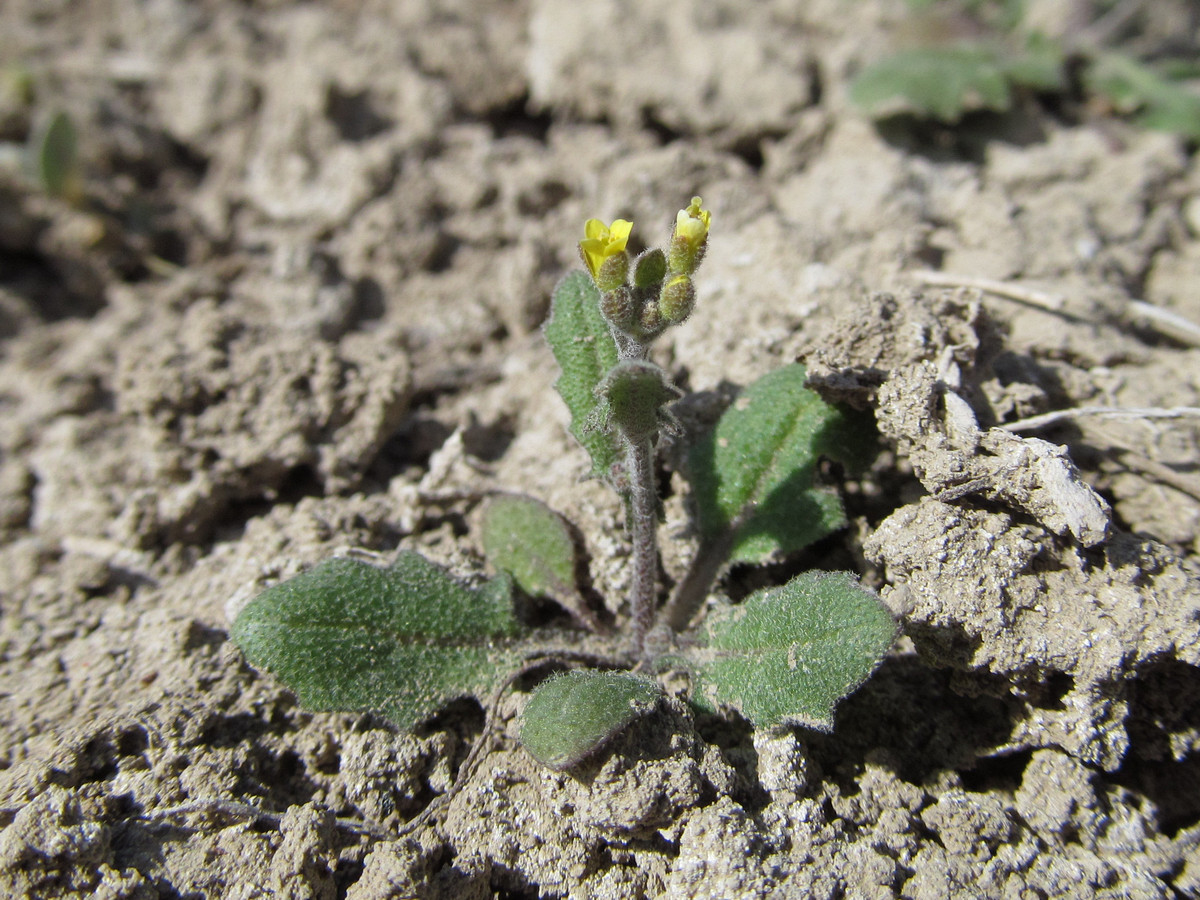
54, 155
400, 641
754, 473
532, 543
787, 655
571, 715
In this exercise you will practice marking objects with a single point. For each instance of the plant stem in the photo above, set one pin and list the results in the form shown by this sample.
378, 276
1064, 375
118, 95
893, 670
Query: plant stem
628, 348
639, 456
692, 591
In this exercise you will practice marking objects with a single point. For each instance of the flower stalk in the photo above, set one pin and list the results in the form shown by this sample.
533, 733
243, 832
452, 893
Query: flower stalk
643, 516
638, 309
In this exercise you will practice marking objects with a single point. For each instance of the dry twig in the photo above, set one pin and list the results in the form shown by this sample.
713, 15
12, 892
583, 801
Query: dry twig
1137, 312
1130, 457
1045, 420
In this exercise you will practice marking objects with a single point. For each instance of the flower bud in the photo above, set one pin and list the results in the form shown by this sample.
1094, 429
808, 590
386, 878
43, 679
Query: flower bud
677, 300
619, 308
649, 268
651, 320
613, 271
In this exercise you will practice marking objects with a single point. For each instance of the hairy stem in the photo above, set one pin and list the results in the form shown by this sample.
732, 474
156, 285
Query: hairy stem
644, 524
628, 347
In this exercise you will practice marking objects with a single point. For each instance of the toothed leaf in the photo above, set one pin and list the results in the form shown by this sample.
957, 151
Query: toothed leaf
787, 655
400, 641
585, 350
571, 715
943, 83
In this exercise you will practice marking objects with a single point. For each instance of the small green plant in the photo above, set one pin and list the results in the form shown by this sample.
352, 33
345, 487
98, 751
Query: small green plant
942, 78
944, 82
49, 157
52, 157
405, 639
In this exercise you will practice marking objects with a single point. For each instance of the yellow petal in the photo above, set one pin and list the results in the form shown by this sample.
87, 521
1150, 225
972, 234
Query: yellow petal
603, 241
693, 222
619, 235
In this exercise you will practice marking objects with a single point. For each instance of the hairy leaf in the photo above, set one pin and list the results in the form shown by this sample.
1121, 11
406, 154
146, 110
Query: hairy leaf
401, 641
787, 655
585, 350
754, 473
635, 393
532, 543
573, 714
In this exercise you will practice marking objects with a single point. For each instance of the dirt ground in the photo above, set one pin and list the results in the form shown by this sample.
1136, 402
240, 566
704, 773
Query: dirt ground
296, 310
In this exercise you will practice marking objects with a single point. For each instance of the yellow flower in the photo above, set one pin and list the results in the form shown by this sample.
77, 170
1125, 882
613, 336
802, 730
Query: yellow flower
690, 238
692, 223
602, 241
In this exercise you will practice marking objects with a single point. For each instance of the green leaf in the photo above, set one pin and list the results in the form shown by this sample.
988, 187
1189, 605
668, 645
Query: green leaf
53, 156
942, 82
787, 655
585, 350
571, 715
634, 393
401, 641
1041, 66
1132, 87
531, 542
753, 475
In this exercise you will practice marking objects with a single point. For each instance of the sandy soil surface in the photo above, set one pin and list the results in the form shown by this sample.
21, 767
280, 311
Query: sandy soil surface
297, 310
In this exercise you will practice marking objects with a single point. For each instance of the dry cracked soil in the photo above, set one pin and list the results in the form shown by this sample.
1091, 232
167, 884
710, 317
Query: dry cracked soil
294, 307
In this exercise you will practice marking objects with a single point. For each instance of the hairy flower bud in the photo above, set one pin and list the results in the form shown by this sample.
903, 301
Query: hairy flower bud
612, 272
677, 300
619, 308
649, 268
651, 321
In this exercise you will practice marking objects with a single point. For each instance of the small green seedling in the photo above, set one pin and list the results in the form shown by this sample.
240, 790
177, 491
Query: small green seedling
404, 640
51, 157
945, 81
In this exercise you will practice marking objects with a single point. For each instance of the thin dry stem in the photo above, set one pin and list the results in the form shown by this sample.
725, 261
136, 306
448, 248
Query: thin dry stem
1031, 296
1139, 312
1035, 423
1130, 457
